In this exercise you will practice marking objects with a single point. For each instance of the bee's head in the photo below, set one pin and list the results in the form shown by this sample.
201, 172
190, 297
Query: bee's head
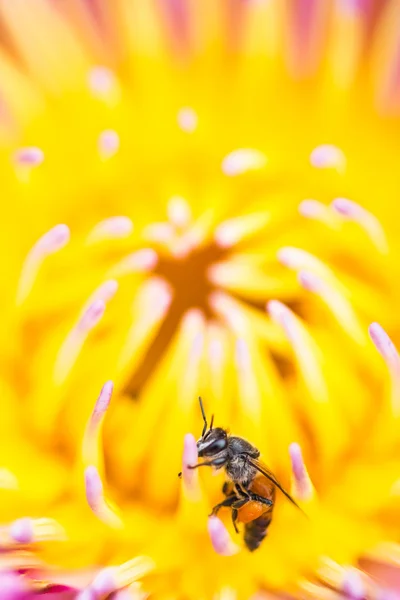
213, 442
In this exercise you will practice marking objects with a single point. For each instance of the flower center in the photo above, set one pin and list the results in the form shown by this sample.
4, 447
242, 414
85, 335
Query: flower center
188, 278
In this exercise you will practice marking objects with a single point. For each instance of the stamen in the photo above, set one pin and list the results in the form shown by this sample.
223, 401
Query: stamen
187, 119
328, 156
138, 262
149, 309
369, 223
51, 242
109, 229
161, 233
105, 292
220, 538
390, 355
28, 531
108, 143
179, 212
72, 346
304, 349
29, 157
112, 579
190, 457
313, 209
298, 259
302, 488
101, 81
215, 353
235, 230
13, 586
96, 499
91, 316
282, 315
243, 160
352, 585
340, 307
92, 433
21, 531
225, 306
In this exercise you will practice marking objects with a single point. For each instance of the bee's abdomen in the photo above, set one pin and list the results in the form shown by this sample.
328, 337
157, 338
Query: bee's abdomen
256, 530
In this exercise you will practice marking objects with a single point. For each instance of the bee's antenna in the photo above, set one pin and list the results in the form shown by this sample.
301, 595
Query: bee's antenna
204, 417
211, 423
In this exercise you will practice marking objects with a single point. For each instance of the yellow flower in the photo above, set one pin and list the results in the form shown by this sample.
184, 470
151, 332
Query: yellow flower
227, 175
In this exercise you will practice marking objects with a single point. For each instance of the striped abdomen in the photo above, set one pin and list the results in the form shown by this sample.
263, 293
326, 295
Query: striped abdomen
255, 531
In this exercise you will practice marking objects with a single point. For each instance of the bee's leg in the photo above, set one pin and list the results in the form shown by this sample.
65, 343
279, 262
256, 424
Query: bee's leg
248, 495
210, 463
234, 519
261, 499
228, 489
241, 491
227, 502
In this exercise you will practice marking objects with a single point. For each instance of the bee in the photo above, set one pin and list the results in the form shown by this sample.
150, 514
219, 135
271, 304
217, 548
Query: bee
250, 489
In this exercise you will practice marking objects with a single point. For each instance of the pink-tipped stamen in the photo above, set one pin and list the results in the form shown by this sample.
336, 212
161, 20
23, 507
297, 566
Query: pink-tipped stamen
21, 531
161, 233
96, 499
390, 355
328, 156
297, 258
179, 213
220, 538
242, 354
225, 306
91, 316
90, 444
303, 489
109, 229
337, 303
352, 585
105, 292
150, 307
73, 343
105, 582
366, 220
108, 143
187, 119
316, 210
101, 81
51, 242
28, 157
385, 347
140, 261
284, 317
111, 579
13, 586
28, 531
233, 231
102, 404
243, 160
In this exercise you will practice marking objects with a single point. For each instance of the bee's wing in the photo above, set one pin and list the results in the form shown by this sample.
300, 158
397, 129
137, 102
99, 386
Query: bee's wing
257, 464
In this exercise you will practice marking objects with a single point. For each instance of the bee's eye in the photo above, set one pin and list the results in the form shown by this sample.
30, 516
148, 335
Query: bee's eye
216, 446
219, 461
